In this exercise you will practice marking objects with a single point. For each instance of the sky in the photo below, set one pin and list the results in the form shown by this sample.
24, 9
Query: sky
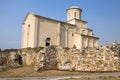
103, 16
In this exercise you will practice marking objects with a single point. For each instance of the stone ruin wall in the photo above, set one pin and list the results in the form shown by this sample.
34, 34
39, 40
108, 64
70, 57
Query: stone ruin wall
56, 57
102, 59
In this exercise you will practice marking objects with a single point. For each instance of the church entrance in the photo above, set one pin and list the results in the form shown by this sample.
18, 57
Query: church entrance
47, 41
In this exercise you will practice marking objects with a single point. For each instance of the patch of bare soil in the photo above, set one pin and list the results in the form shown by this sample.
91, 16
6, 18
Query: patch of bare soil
29, 72
96, 78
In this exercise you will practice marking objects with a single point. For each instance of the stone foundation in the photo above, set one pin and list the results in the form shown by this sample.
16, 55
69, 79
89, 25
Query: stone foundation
56, 57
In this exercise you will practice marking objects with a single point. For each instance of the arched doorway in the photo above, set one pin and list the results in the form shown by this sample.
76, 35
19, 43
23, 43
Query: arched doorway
47, 41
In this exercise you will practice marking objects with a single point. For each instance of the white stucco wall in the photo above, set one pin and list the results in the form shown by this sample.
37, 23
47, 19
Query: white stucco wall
71, 21
28, 40
78, 41
63, 35
71, 35
48, 29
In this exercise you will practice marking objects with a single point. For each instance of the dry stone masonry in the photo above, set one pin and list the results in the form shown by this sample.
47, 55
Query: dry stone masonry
105, 58
102, 59
10, 59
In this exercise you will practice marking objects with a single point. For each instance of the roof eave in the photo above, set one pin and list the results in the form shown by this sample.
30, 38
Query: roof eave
89, 36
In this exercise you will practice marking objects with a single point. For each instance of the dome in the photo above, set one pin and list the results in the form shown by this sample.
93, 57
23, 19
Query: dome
74, 7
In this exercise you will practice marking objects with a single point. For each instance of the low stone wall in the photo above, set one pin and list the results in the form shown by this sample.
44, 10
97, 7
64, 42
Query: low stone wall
10, 59
56, 57
102, 59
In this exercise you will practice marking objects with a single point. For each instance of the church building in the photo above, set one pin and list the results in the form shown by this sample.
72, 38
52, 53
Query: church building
42, 31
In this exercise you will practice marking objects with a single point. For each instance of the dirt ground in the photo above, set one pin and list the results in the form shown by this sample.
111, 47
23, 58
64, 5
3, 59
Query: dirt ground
97, 78
29, 72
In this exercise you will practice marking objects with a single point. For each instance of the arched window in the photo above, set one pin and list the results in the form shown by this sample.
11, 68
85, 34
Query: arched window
47, 41
74, 46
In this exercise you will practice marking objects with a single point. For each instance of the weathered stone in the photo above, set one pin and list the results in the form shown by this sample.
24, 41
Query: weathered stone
40, 61
46, 59
15, 60
3, 68
93, 59
101, 59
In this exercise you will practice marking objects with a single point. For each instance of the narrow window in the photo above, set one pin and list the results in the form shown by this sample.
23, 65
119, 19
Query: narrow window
28, 34
28, 29
72, 34
74, 14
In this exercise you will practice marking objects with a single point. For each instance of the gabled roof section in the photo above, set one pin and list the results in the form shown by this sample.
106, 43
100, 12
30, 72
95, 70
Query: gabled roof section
78, 20
81, 20
27, 16
44, 18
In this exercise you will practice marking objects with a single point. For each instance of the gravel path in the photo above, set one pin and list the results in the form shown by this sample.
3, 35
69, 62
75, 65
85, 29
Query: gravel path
67, 76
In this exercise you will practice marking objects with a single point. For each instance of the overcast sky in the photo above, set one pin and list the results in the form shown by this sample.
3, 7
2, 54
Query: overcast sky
103, 16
